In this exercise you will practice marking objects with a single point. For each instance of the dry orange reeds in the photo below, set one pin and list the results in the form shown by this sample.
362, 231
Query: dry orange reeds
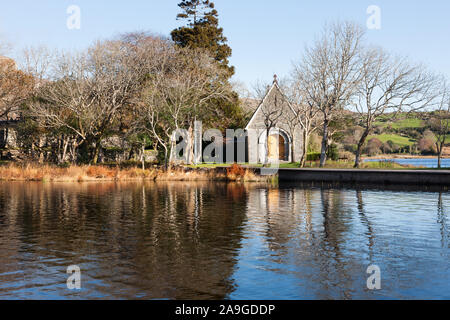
239, 173
236, 170
31, 172
101, 172
34, 172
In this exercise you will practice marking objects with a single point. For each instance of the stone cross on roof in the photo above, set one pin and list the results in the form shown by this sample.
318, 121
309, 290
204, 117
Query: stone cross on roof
275, 78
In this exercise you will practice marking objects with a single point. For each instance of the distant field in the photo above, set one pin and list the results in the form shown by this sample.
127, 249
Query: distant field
403, 124
395, 138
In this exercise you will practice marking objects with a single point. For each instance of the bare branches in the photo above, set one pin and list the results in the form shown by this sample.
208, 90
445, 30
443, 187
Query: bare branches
179, 91
389, 86
87, 92
135, 84
331, 69
339, 72
37, 62
306, 114
440, 120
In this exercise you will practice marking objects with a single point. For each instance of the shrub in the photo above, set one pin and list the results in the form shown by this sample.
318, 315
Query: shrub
374, 147
333, 152
346, 155
313, 156
314, 143
427, 146
351, 148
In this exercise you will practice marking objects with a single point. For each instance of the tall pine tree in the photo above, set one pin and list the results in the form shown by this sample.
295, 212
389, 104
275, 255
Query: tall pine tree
203, 31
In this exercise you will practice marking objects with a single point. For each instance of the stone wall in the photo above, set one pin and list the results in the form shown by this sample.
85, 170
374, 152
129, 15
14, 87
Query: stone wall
355, 177
256, 145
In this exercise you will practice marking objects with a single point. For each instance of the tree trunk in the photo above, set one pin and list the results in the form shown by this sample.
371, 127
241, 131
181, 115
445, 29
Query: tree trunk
59, 149
41, 154
96, 153
266, 160
440, 158
166, 160
323, 153
73, 151
191, 156
305, 148
291, 146
64, 152
171, 151
360, 147
143, 157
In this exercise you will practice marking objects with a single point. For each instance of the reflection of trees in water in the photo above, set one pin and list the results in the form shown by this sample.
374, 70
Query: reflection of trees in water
365, 221
195, 238
442, 220
173, 240
179, 240
279, 212
279, 225
335, 224
310, 229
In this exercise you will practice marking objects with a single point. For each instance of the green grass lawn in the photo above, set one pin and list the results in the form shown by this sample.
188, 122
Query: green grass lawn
397, 139
403, 124
330, 165
408, 123
208, 165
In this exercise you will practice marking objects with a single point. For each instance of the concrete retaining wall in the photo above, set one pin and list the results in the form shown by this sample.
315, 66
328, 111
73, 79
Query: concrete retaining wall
413, 177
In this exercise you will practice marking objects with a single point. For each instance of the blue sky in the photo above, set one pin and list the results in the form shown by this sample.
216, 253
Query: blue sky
266, 36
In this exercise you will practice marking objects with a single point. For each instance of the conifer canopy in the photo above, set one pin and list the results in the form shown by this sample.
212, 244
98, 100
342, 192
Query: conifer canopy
202, 31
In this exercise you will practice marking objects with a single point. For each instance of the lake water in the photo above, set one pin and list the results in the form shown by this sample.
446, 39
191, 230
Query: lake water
419, 162
221, 241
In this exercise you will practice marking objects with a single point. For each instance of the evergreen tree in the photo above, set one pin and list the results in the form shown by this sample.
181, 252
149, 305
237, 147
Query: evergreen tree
203, 31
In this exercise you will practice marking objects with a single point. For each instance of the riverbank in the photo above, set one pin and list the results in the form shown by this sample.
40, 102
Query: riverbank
48, 173
384, 173
355, 176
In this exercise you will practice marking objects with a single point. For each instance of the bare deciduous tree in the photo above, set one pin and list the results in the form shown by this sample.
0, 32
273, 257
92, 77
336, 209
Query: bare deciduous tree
306, 114
88, 91
440, 120
331, 69
388, 86
178, 93
64, 102
37, 61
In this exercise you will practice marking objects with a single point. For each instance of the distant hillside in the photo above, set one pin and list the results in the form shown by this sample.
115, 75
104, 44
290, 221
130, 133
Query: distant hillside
407, 133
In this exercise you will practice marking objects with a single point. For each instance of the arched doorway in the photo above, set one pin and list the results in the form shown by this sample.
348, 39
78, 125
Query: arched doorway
278, 147
282, 148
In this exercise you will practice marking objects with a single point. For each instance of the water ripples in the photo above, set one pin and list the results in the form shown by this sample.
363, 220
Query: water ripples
221, 241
